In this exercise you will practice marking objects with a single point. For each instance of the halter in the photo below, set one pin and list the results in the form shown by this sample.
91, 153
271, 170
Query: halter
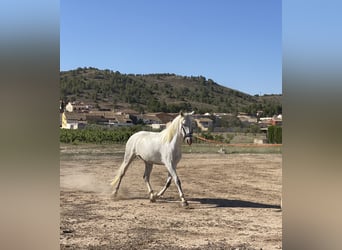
186, 134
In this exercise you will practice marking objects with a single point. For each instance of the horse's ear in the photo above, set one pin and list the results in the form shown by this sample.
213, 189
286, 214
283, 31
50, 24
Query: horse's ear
181, 113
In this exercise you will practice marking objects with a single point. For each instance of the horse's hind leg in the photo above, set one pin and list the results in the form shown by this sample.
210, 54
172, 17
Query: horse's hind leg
167, 184
128, 158
148, 170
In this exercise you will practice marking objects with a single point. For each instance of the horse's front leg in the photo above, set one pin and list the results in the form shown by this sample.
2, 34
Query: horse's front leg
173, 173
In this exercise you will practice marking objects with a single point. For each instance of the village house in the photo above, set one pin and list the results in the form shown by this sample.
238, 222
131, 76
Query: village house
156, 121
204, 123
122, 120
72, 120
247, 119
81, 107
265, 122
109, 118
77, 117
277, 120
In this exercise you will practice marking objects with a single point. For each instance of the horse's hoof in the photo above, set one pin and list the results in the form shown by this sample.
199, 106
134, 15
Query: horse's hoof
185, 204
114, 194
152, 198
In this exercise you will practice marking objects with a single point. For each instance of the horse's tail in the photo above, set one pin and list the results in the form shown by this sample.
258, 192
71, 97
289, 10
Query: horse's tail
128, 158
120, 172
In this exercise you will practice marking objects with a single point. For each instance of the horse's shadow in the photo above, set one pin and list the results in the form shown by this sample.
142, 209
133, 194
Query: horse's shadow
218, 202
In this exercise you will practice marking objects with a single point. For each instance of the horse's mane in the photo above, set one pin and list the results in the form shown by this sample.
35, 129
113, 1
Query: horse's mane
169, 132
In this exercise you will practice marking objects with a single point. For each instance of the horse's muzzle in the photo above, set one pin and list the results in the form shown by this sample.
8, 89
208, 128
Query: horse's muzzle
188, 140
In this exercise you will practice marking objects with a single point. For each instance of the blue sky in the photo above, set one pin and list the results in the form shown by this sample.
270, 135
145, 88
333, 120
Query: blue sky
235, 43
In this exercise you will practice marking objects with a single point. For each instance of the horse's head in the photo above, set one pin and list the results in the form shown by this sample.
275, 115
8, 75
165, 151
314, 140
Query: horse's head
187, 127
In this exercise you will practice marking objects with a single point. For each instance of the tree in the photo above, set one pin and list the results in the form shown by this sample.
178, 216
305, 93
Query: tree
274, 134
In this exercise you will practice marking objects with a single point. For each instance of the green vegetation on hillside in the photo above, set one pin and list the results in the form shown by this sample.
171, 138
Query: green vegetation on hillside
159, 92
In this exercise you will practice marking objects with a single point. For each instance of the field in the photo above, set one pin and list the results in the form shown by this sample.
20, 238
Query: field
234, 200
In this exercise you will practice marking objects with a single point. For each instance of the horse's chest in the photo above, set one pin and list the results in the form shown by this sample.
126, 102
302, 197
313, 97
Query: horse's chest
173, 156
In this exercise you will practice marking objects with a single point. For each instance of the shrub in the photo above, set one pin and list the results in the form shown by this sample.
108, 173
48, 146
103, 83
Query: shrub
278, 135
270, 134
207, 135
97, 135
274, 134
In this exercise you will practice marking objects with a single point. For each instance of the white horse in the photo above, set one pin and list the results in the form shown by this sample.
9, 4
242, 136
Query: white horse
163, 148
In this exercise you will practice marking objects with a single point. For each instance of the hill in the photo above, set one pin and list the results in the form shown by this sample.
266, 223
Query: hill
159, 92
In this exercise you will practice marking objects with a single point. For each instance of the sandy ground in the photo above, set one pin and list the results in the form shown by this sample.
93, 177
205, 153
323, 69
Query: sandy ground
233, 202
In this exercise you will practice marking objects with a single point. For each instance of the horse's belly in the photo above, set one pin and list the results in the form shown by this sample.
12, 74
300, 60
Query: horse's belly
149, 153
154, 158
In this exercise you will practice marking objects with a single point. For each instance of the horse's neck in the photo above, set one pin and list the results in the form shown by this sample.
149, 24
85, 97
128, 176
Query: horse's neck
177, 138
172, 133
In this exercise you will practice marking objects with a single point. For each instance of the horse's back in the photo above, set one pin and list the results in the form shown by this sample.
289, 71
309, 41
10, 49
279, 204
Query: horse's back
142, 135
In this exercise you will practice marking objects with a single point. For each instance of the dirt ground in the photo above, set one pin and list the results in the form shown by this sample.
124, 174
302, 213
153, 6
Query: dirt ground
234, 202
